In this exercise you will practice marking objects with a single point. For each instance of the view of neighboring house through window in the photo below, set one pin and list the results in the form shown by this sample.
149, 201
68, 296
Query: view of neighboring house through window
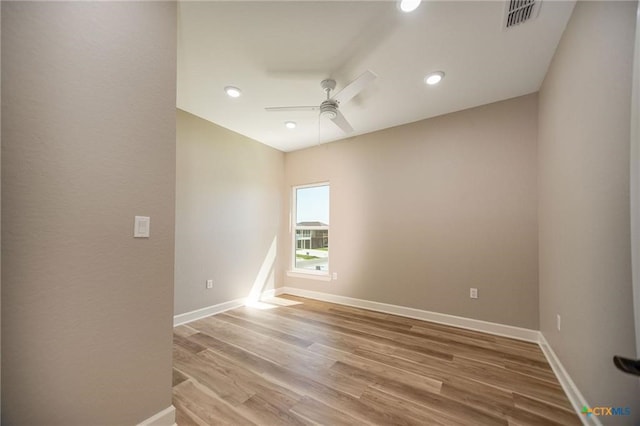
311, 228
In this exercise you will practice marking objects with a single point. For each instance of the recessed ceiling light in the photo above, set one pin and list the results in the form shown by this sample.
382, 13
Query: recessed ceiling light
233, 92
434, 78
290, 124
409, 5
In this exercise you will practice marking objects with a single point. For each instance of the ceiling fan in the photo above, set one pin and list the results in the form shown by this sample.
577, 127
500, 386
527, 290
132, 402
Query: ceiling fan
329, 108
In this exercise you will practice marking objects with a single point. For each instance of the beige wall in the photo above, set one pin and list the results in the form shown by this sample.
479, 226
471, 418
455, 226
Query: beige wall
422, 212
585, 265
635, 182
0, 220
88, 129
228, 205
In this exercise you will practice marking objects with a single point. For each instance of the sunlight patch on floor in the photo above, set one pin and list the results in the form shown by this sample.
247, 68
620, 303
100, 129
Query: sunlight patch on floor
270, 303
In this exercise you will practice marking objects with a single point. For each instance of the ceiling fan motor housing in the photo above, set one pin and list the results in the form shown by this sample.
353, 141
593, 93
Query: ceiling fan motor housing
329, 109
328, 84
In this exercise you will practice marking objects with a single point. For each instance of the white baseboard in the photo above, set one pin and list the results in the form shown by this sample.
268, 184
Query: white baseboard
573, 393
468, 323
208, 311
166, 417
272, 293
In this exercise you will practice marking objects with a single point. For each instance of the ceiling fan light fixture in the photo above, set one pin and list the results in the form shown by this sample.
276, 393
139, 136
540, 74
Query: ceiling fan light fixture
290, 124
328, 114
328, 109
409, 5
232, 92
434, 78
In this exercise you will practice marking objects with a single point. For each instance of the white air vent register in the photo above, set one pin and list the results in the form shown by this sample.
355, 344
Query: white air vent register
520, 11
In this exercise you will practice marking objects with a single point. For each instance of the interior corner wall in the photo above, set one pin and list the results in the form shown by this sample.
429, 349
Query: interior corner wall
585, 262
422, 212
635, 182
0, 218
88, 142
228, 206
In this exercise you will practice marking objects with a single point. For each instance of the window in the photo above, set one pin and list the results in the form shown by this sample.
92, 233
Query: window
311, 228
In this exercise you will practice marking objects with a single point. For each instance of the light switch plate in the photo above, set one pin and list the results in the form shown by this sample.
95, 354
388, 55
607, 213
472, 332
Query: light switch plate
142, 227
473, 293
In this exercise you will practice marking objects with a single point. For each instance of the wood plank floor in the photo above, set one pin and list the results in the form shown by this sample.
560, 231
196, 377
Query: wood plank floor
308, 362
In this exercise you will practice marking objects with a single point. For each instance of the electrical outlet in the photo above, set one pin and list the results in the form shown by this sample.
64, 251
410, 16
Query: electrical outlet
473, 293
334, 276
558, 321
209, 283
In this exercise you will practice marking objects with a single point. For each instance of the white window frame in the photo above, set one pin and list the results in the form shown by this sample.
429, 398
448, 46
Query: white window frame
300, 272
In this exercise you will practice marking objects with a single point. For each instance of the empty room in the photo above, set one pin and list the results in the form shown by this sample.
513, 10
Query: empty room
320, 212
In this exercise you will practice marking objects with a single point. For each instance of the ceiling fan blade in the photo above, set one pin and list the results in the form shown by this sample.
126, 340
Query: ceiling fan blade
293, 108
342, 122
355, 87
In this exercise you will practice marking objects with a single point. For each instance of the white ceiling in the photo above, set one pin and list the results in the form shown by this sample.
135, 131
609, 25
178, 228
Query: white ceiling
278, 52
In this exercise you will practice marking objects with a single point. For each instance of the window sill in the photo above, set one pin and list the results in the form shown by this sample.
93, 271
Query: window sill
309, 275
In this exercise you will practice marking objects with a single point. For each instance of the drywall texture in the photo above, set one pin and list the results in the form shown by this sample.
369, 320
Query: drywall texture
585, 261
88, 141
634, 191
0, 219
422, 212
228, 206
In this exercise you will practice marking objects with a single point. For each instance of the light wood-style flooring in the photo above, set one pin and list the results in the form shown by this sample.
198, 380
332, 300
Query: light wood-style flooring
300, 361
